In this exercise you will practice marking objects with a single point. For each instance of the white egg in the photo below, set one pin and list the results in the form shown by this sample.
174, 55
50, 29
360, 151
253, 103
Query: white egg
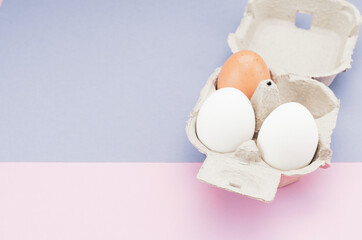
288, 137
226, 120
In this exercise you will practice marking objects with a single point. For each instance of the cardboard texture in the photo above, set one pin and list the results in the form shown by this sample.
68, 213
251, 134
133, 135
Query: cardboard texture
321, 52
243, 171
295, 57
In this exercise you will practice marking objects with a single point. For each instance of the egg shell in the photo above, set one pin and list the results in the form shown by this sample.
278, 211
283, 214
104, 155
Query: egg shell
226, 120
288, 138
292, 54
243, 171
244, 70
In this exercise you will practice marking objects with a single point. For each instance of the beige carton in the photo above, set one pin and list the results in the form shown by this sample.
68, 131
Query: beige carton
295, 57
321, 52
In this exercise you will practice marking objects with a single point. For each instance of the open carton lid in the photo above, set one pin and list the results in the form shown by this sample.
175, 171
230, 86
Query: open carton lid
313, 38
295, 52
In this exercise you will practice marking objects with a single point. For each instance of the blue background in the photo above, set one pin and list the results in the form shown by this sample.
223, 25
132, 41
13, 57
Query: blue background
115, 80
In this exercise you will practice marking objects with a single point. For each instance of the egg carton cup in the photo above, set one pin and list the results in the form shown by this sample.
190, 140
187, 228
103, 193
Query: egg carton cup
243, 171
320, 50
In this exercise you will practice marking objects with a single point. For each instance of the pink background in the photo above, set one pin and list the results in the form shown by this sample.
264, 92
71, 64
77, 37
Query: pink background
45, 201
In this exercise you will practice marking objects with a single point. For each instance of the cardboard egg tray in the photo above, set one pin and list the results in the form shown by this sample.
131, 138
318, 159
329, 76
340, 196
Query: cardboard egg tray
303, 62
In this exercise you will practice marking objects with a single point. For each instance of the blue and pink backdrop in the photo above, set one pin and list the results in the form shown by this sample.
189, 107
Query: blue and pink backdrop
86, 83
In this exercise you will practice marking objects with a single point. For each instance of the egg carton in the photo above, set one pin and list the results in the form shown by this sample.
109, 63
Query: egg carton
321, 47
243, 171
296, 57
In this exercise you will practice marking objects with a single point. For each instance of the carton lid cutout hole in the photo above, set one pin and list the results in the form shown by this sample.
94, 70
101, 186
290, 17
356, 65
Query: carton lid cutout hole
313, 38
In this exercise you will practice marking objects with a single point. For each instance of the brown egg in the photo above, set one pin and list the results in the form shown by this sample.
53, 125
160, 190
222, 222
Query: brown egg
244, 70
